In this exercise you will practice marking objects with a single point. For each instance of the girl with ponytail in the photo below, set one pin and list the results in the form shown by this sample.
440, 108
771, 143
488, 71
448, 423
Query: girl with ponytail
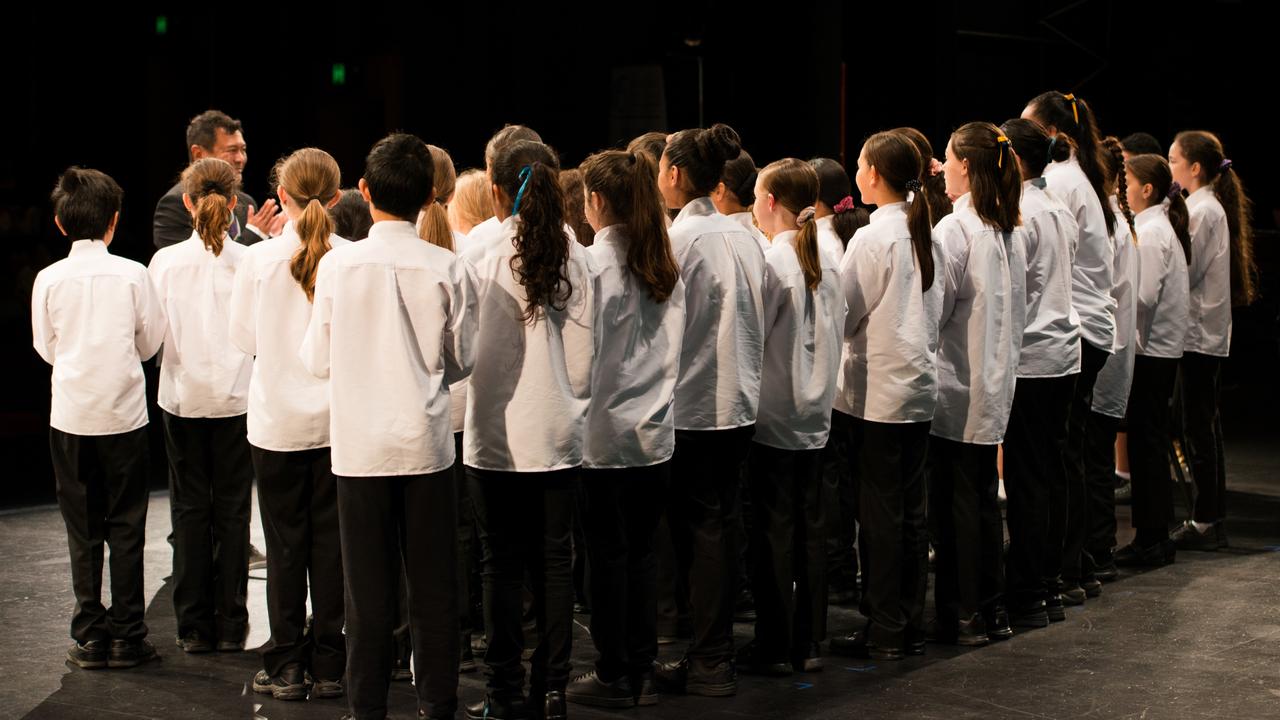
735, 193
433, 221
717, 395
525, 418
1222, 274
838, 217
630, 428
288, 430
1164, 248
980, 338
934, 184
204, 387
803, 315
892, 276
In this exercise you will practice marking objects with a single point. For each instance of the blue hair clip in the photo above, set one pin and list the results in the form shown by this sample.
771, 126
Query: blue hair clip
1053, 140
525, 172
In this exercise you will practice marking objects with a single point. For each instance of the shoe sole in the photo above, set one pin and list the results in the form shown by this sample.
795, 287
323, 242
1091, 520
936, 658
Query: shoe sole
999, 635
711, 689
646, 700
1030, 621
327, 694
124, 664
87, 664
289, 692
1056, 616
604, 702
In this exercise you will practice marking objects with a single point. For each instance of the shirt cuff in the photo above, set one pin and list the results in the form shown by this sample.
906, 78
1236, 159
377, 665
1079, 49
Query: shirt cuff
258, 232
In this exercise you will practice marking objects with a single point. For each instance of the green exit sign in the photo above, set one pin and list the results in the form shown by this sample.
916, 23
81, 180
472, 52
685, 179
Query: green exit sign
162, 25
339, 74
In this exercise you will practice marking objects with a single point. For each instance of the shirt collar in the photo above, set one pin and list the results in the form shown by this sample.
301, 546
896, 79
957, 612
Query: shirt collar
1039, 182
964, 202
697, 206
610, 235
898, 208
392, 230
786, 236
87, 247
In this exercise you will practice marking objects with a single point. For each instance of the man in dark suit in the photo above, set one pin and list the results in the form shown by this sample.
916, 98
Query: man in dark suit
214, 134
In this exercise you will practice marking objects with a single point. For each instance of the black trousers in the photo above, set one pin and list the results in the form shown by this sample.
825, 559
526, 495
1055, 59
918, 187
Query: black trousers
841, 500
102, 493
1070, 562
704, 488
969, 540
1100, 479
210, 485
526, 526
621, 520
1035, 484
1149, 416
1202, 421
673, 590
790, 583
890, 477
298, 498
391, 525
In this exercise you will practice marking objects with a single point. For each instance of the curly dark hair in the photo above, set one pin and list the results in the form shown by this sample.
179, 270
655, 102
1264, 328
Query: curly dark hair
542, 247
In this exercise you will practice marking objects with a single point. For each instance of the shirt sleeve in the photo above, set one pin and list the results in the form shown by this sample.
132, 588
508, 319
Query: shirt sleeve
955, 252
151, 323
43, 336
1151, 272
315, 350
1201, 229
244, 304
864, 280
461, 324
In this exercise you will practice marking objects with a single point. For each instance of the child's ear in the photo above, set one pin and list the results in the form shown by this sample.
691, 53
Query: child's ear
284, 196
334, 200
186, 201
364, 190
231, 204
58, 222
1195, 169
964, 168
115, 219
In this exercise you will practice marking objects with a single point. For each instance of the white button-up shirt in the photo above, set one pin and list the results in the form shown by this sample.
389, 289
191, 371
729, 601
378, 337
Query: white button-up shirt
288, 406
723, 269
747, 220
803, 333
631, 419
1163, 289
1092, 261
1111, 389
1051, 339
889, 360
95, 317
983, 311
1209, 274
528, 397
828, 241
392, 325
202, 375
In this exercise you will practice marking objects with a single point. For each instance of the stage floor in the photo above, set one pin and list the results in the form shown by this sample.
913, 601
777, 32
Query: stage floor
1200, 638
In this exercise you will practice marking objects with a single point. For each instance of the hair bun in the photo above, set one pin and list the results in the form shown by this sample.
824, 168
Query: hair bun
721, 143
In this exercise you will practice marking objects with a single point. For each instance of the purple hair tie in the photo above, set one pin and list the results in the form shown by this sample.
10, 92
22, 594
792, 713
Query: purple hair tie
1175, 190
1225, 166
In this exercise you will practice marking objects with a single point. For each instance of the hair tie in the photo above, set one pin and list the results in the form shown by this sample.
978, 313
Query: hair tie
210, 186
844, 206
1225, 165
525, 173
1048, 156
1175, 191
1075, 112
935, 166
806, 215
914, 185
1003, 142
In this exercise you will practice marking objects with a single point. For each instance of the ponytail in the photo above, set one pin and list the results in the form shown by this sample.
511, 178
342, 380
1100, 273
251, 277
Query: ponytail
1154, 170
1114, 166
932, 182
794, 185
807, 248
1073, 116
835, 191
897, 161
310, 177
994, 179
626, 181
210, 184
527, 172
920, 223
433, 223
1199, 146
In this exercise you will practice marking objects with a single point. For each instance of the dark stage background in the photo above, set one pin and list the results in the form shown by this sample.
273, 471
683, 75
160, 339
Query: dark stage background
114, 91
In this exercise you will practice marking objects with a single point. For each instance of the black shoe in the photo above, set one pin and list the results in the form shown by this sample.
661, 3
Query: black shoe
858, 645
233, 642
193, 643
89, 656
1073, 596
1032, 615
589, 689
644, 689
290, 684
679, 677
744, 608
1053, 608
553, 707
402, 670
997, 621
466, 663
492, 708
1188, 537
1092, 588
807, 659
752, 660
965, 632
1106, 572
130, 653
326, 689
1134, 555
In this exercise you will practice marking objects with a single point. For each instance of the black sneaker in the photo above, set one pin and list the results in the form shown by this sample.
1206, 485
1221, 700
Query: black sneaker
1053, 608
720, 680
644, 688
858, 645
290, 684
130, 653
1092, 587
589, 689
1106, 572
553, 706
807, 659
997, 622
752, 660
1152, 556
492, 708
1073, 596
1032, 615
193, 643
89, 656
1189, 537
326, 689
233, 642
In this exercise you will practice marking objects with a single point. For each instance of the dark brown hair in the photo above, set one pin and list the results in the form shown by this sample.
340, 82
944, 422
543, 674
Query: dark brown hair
739, 178
994, 180
1073, 116
935, 185
701, 155
1033, 146
1113, 175
351, 218
203, 129
626, 181
85, 201
211, 183
311, 179
542, 247
574, 212
898, 163
504, 137
1154, 170
1199, 146
651, 144
833, 188
794, 184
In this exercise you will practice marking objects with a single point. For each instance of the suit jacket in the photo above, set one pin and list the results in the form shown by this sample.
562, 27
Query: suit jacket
172, 223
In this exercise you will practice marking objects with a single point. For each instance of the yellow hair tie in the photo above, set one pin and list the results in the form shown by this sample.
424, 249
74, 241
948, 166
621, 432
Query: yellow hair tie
1074, 110
1002, 140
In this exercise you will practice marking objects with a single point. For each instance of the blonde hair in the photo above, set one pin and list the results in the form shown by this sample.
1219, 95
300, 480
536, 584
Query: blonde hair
433, 223
472, 203
310, 177
211, 184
